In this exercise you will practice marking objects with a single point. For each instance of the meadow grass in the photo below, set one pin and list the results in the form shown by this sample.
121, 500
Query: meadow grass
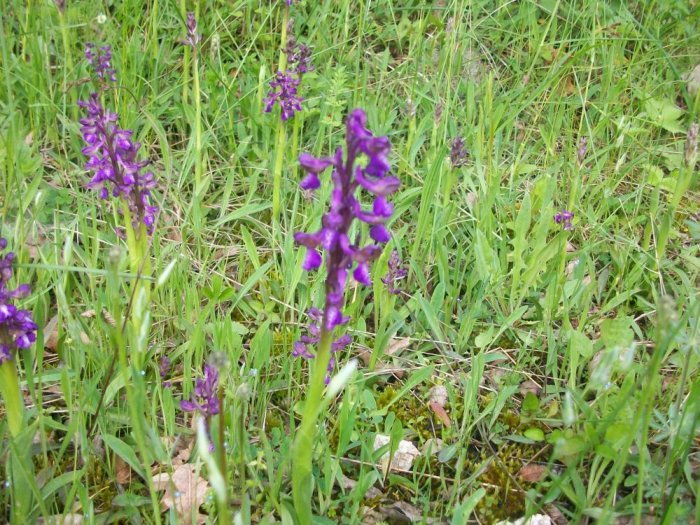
570, 357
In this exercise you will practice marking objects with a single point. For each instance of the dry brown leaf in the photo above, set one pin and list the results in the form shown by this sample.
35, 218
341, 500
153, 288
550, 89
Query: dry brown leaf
440, 412
51, 333
364, 355
530, 386
532, 472
396, 345
371, 516
399, 373
122, 471
557, 516
349, 484
185, 490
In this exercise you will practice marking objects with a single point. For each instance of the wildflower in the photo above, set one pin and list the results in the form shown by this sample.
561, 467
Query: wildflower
395, 273
302, 347
164, 370
284, 90
300, 58
333, 237
112, 154
458, 152
565, 218
438, 112
285, 86
17, 328
193, 38
100, 58
204, 399
582, 149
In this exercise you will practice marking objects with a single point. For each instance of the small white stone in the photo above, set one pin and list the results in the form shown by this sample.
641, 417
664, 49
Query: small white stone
406, 452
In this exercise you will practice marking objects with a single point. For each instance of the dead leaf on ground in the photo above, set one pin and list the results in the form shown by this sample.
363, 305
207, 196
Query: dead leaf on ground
398, 512
396, 345
122, 471
557, 516
441, 413
180, 448
530, 386
51, 333
185, 491
438, 400
349, 484
532, 472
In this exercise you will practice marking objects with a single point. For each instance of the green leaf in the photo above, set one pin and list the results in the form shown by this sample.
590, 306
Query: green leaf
580, 344
531, 403
535, 434
617, 332
484, 338
125, 452
464, 509
665, 114
486, 260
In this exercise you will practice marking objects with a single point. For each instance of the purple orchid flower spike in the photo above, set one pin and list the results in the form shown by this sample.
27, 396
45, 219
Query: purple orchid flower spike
395, 273
112, 154
458, 152
204, 399
100, 58
17, 328
342, 255
565, 218
193, 38
284, 91
284, 87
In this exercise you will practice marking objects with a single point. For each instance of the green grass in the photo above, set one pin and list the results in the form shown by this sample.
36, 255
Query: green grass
601, 321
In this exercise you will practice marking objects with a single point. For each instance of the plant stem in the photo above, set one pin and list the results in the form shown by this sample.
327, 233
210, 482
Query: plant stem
281, 139
222, 434
302, 480
11, 395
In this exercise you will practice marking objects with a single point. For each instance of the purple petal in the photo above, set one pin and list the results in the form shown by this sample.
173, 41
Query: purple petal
361, 275
379, 233
312, 260
383, 186
312, 164
310, 182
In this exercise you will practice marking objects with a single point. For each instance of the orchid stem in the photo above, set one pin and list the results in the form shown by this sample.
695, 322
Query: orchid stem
302, 479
